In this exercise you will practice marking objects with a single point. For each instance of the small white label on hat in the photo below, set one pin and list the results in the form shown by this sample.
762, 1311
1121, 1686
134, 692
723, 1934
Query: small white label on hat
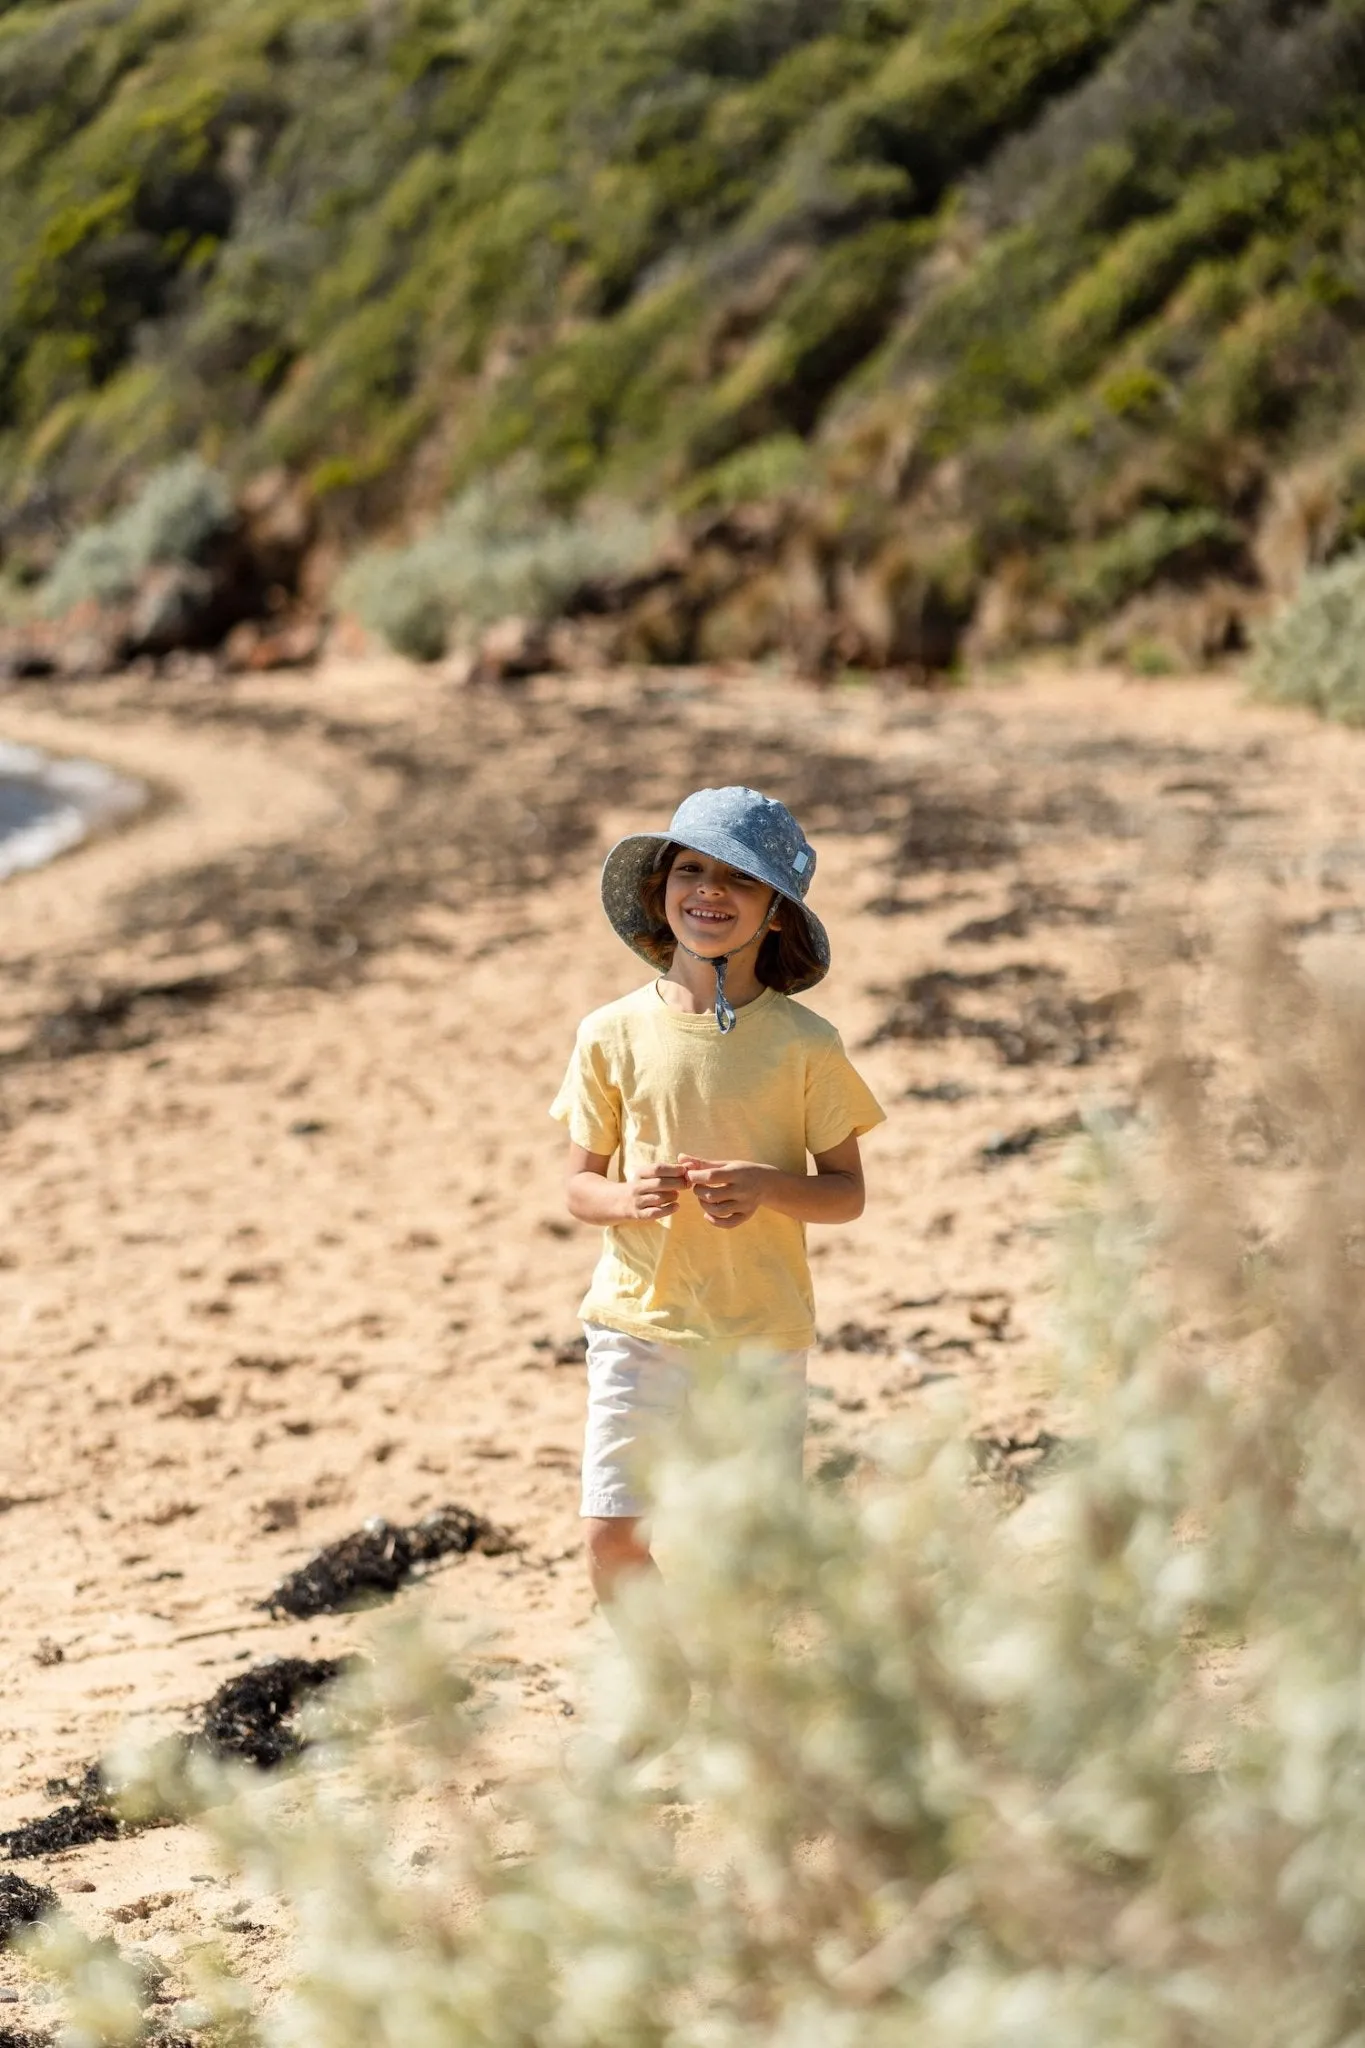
801, 863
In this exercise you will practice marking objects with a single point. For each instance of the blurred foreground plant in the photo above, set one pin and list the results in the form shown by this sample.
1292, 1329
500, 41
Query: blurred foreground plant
1085, 1772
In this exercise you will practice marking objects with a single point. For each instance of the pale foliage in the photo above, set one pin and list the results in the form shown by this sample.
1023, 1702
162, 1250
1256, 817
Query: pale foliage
1085, 1770
495, 553
1313, 652
178, 511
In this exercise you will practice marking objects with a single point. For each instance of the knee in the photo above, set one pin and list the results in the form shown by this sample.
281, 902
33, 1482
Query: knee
614, 1542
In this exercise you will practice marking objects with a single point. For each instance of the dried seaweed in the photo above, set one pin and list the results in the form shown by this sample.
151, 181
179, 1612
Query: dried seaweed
1026, 1138
1049, 1025
248, 1718
21, 1903
950, 832
374, 1561
89, 1817
122, 1019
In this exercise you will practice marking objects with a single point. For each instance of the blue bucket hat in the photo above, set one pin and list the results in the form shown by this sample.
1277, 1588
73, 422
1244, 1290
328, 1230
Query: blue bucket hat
748, 831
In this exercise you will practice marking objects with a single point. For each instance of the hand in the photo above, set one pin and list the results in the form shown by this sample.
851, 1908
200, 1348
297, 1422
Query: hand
729, 1190
652, 1192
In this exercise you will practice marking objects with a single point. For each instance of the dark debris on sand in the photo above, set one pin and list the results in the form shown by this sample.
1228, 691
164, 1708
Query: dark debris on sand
21, 1903
858, 1337
1043, 1023
953, 831
247, 1719
1018, 1461
88, 1817
1017, 1144
374, 1561
249, 1716
1030, 906
121, 1019
563, 1350
21, 2037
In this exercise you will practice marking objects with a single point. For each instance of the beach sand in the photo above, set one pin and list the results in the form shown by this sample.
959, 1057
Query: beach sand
282, 1243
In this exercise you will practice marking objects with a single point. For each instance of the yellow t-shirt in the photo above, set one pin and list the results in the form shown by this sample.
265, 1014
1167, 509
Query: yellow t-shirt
648, 1083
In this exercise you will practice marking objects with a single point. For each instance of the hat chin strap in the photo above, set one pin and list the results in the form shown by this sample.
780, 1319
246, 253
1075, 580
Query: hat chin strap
725, 1009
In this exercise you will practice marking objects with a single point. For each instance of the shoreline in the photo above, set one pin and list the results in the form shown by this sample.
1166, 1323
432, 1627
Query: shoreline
76, 798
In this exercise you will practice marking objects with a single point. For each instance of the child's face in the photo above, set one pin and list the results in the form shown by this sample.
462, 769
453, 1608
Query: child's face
712, 908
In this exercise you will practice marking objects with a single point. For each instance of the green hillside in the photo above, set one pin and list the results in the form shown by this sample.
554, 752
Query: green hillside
920, 314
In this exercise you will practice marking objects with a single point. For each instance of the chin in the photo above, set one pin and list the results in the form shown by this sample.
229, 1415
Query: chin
709, 941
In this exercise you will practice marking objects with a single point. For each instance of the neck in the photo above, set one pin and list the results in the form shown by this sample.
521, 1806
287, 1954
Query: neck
689, 985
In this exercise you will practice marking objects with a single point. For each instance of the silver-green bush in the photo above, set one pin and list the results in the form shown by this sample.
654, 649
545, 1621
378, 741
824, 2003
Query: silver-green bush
1313, 652
494, 554
174, 516
1084, 1772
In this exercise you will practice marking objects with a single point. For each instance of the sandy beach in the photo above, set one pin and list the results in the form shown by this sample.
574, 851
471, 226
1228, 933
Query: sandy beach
282, 1244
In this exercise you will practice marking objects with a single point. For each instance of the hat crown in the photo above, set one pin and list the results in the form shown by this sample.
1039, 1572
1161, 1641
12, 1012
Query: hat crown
751, 823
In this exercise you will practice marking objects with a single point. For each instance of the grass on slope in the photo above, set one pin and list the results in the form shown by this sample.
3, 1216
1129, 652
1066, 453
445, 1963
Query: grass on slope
1053, 285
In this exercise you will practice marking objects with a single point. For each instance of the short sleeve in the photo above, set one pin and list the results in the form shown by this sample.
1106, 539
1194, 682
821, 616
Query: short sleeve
839, 1103
589, 1102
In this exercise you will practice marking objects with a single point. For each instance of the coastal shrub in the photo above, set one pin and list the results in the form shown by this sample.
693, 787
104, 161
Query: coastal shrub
1140, 269
1190, 86
1076, 1762
765, 469
976, 72
1313, 652
1099, 576
178, 511
494, 553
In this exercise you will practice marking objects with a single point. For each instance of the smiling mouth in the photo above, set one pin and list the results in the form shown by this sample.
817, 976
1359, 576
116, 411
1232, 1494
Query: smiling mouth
714, 918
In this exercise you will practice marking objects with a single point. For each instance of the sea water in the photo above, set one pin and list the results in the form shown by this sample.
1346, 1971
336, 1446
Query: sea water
48, 805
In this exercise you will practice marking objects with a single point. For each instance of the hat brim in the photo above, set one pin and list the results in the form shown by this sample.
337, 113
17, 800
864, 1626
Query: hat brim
631, 859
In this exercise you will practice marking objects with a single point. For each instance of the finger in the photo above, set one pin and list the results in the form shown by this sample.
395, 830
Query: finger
710, 1177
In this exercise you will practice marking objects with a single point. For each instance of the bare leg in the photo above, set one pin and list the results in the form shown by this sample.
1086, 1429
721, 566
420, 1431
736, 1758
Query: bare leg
616, 1551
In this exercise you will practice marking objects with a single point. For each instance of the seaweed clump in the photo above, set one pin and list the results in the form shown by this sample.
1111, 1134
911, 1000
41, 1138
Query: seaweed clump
88, 1817
375, 1560
246, 1719
249, 1716
21, 1903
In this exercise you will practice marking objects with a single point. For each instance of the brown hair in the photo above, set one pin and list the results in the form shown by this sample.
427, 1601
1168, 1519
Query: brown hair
786, 957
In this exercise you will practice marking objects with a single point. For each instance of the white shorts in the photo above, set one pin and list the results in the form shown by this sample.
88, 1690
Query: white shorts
636, 1391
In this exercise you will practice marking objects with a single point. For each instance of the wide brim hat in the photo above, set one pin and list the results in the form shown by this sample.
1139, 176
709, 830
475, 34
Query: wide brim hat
748, 831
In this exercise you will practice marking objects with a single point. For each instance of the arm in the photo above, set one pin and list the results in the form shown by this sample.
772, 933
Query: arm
731, 1190
646, 1197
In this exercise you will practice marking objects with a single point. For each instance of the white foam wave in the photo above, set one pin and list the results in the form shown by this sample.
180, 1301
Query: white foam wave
80, 797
